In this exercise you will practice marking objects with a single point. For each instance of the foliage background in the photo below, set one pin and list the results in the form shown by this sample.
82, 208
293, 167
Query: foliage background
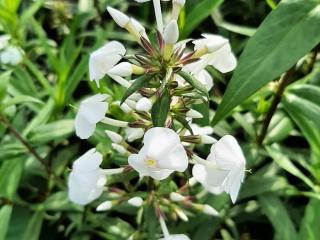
280, 199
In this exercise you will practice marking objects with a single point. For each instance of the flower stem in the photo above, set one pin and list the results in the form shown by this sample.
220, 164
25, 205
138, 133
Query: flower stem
31, 150
284, 81
158, 13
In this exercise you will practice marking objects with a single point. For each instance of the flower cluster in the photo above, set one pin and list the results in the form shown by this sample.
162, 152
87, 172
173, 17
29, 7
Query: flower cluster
163, 82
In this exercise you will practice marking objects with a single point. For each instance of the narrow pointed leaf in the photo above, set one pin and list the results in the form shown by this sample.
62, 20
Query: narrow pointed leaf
137, 84
285, 36
160, 109
194, 83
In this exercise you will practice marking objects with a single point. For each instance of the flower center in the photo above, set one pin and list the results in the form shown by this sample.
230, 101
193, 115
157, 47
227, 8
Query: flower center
151, 163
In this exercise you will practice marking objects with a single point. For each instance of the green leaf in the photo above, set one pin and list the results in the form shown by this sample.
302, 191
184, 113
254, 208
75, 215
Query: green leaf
4, 80
34, 226
278, 216
306, 126
309, 109
309, 227
292, 27
5, 214
52, 131
20, 100
160, 109
184, 122
10, 172
279, 129
137, 84
284, 162
59, 201
194, 83
197, 14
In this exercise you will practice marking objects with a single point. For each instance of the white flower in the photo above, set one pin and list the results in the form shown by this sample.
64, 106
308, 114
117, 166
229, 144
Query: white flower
87, 179
105, 58
219, 52
144, 104
224, 169
167, 235
203, 132
171, 33
161, 155
11, 55
91, 111
104, 206
134, 133
136, 201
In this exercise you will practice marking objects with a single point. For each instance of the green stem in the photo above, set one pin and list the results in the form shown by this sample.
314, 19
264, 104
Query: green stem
284, 81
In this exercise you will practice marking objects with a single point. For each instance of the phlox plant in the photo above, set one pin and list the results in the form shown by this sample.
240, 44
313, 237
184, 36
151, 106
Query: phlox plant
164, 79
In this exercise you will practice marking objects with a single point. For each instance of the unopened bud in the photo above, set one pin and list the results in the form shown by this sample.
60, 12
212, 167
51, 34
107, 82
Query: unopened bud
171, 33
194, 114
176, 197
144, 105
113, 122
114, 137
123, 82
105, 206
134, 134
120, 18
120, 149
181, 215
136, 201
123, 69
124, 107
205, 139
207, 209
177, 5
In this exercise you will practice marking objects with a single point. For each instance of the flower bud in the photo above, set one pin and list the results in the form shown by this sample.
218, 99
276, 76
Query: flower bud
114, 137
136, 201
134, 134
123, 82
105, 206
113, 122
123, 69
144, 105
207, 209
181, 215
177, 5
205, 139
124, 107
176, 197
120, 149
171, 33
132, 104
120, 18
194, 114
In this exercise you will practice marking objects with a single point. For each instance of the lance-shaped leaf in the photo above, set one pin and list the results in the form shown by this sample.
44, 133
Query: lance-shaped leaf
286, 35
136, 85
160, 109
184, 122
194, 83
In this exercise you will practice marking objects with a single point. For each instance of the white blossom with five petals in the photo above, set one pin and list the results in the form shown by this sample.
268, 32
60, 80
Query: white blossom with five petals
161, 154
224, 169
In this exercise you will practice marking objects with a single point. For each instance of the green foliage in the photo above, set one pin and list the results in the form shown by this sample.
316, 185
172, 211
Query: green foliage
285, 36
38, 95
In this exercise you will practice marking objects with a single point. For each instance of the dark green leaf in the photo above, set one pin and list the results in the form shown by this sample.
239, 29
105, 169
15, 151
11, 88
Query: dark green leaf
309, 227
160, 109
34, 226
184, 122
5, 214
137, 84
197, 14
278, 216
292, 27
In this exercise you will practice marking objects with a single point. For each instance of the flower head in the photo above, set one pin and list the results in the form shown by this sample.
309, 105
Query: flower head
87, 179
225, 168
161, 154
91, 111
